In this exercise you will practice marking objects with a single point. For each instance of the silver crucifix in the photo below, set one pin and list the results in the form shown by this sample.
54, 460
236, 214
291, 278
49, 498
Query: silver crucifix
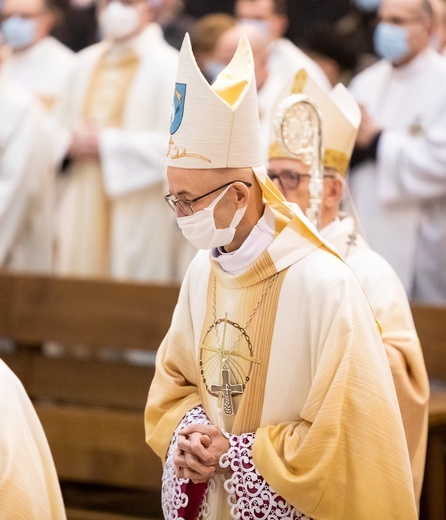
227, 390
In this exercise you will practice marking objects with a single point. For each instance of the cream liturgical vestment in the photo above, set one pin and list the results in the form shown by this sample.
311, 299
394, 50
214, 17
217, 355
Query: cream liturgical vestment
43, 68
285, 356
112, 218
317, 389
401, 197
29, 488
389, 301
26, 182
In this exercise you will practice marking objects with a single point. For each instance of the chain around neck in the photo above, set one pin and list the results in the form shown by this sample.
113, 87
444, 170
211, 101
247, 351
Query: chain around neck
214, 311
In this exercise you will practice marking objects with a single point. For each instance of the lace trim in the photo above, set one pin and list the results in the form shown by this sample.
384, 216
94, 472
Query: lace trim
249, 496
173, 489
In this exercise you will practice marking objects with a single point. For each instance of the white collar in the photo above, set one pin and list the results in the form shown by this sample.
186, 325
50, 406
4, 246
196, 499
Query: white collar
261, 236
326, 230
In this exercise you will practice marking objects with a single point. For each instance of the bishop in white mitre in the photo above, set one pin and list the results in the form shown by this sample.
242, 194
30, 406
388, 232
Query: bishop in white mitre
289, 168
272, 395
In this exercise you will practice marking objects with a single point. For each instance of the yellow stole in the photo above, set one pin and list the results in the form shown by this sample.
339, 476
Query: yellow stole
104, 107
109, 86
236, 335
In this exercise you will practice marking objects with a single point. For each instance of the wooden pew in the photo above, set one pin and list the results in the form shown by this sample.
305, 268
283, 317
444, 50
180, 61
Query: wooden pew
431, 327
91, 408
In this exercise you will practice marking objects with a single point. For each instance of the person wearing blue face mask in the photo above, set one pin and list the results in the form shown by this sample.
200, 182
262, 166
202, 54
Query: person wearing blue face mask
398, 179
204, 37
285, 58
36, 60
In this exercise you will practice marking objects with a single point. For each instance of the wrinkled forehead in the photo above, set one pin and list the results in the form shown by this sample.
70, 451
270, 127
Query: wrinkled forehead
288, 163
185, 181
101, 4
23, 6
401, 8
255, 9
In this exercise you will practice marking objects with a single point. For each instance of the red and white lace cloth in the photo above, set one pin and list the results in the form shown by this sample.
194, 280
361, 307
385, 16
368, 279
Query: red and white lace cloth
250, 497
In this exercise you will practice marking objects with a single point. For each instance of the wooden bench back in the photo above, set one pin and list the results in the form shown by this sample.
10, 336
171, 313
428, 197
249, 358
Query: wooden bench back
91, 408
430, 322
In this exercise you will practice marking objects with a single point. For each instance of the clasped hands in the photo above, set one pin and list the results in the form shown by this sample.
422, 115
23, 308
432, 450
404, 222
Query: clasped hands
197, 456
368, 128
84, 142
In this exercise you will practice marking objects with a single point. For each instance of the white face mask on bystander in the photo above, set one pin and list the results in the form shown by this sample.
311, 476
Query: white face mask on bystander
118, 21
200, 229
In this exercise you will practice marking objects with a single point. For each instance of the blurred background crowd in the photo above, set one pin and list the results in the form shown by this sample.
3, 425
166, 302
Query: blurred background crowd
86, 90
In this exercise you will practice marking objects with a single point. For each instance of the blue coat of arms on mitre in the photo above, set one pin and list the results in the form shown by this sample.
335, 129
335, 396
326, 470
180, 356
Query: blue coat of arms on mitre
177, 107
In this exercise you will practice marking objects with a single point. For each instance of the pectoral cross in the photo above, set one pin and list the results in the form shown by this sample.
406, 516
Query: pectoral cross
352, 238
227, 390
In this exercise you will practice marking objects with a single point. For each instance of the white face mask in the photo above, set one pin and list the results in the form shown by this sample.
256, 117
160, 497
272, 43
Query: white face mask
200, 229
118, 21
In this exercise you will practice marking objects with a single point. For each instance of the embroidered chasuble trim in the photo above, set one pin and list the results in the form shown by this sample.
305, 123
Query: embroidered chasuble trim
332, 158
116, 93
235, 343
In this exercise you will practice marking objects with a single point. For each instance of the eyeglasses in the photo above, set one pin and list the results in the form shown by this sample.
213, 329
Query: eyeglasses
290, 179
23, 16
399, 21
185, 206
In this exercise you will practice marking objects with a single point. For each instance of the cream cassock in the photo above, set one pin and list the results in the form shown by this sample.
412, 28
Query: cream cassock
26, 182
112, 219
401, 198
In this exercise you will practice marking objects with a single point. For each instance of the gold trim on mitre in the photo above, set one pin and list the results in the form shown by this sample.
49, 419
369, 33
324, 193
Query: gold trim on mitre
300, 82
337, 160
277, 150
173, 152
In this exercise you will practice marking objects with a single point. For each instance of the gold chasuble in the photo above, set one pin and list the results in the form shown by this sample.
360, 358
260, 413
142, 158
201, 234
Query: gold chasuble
238, 348
285, 357
305, 370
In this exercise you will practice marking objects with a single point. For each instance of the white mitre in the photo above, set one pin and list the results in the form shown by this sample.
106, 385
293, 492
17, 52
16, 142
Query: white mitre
340, 117
215, 126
